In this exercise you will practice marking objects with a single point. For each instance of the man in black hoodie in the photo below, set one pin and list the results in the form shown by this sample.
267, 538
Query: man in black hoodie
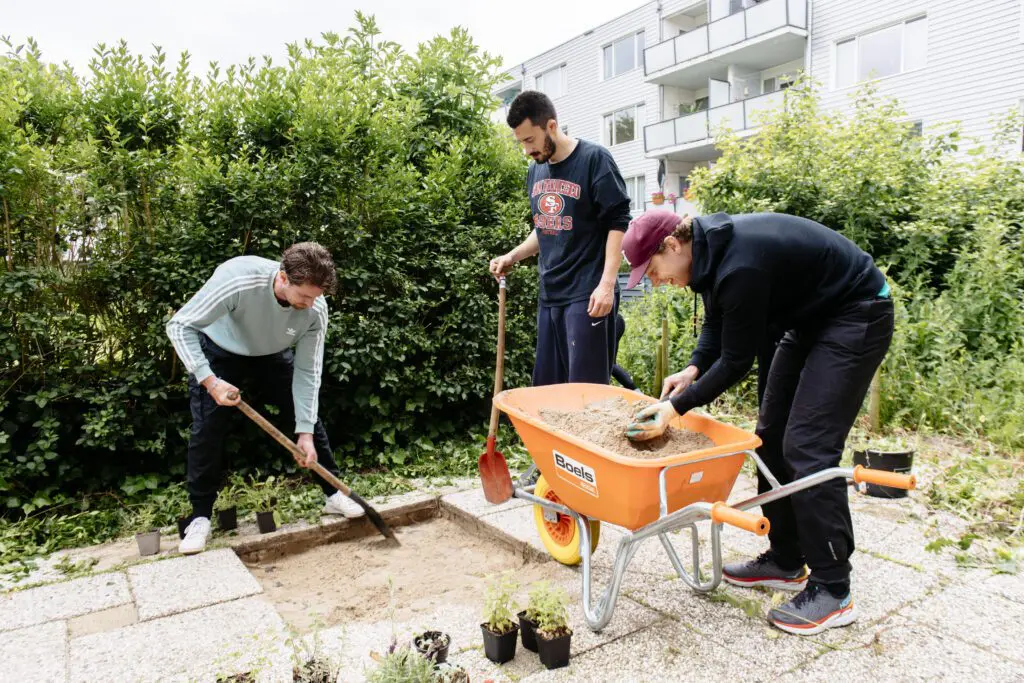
764, 271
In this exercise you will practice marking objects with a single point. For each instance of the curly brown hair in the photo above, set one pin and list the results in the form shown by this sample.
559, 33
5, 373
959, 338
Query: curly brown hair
308, 263
683, 232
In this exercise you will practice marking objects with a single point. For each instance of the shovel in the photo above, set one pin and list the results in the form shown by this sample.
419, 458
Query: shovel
297, 452
494, 474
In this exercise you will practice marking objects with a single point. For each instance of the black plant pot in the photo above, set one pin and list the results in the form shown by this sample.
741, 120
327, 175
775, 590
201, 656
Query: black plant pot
265, 521
422, 644
529, 631
227, 519
500, 647
554, 653
897, 461
183, 523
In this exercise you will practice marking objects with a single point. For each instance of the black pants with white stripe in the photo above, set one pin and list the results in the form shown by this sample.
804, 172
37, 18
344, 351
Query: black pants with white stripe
816, 385
262, 380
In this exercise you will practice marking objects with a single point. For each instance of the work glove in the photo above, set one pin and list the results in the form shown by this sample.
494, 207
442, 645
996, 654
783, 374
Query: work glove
651, 422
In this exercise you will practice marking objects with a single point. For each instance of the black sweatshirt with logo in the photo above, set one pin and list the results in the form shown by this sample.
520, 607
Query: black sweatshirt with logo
759, 270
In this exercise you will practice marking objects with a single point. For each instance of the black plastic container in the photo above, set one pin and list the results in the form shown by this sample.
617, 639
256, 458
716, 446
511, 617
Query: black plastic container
554, 653
900, 462
440, 654
528, 629
265, 521
500, 647
227, 519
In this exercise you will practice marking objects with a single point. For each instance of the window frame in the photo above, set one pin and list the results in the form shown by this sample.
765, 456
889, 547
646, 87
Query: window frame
608, 125
856, 40
563, 80
635, 192
638, 54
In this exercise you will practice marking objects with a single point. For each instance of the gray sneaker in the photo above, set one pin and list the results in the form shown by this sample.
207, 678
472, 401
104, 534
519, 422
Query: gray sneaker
812, 611
764, 571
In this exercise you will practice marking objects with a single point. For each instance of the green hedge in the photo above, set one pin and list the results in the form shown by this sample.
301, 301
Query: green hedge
124, 189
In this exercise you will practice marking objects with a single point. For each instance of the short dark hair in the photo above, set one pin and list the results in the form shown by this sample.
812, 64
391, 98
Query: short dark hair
532, 105
308, 263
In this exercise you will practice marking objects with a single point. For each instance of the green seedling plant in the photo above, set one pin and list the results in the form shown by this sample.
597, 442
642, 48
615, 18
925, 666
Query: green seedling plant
499, 612
403, 665
548, 608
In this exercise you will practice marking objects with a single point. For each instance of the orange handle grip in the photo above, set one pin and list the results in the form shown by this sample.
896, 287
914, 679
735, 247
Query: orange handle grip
891, 479
748, 521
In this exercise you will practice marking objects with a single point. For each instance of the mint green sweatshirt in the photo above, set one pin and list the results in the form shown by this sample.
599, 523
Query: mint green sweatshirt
237, 309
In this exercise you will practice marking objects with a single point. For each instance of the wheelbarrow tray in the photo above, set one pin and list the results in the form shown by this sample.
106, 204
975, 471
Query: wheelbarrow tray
620, 490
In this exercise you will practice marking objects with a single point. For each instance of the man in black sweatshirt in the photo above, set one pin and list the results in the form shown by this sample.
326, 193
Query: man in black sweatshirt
764, 271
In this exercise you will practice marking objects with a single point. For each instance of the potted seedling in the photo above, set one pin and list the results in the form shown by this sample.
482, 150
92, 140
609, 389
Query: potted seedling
450, 673
263, 500
498, 628
147, 534
433, 645
890, 454
549, 604
528, 622
402, 665
226, 508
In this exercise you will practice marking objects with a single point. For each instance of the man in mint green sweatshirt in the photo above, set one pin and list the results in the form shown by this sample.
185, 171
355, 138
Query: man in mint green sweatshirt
239, 329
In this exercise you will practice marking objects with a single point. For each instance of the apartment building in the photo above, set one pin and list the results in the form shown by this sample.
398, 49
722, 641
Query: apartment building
656, 83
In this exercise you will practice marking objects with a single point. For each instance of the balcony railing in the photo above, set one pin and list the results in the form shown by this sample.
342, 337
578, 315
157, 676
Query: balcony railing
683, 130
725, 32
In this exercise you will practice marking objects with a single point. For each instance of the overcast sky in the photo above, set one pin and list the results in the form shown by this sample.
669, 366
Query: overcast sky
230, 30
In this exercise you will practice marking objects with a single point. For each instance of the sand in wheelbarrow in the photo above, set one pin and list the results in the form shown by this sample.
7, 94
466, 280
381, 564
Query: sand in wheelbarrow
604, 423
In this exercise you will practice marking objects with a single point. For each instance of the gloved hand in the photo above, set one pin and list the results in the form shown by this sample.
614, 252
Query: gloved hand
651, 422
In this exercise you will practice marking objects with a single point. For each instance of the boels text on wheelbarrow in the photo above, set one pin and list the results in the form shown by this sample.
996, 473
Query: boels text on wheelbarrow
582, 485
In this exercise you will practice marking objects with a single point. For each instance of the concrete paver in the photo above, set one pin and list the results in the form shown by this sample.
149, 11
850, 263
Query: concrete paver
62, 600
185, 583
37, 654
473, 502
982, 619
225, 639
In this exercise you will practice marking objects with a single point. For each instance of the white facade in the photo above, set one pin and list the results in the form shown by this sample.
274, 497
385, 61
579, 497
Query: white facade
712, 63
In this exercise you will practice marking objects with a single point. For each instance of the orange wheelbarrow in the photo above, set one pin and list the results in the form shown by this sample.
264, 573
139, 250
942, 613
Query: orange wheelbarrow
582, 485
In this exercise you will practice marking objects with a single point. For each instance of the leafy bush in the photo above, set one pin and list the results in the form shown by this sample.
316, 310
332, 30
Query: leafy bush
122, 193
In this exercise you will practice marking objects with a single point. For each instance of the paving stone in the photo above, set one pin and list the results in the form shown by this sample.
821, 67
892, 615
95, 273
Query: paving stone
474, 503
185, 583
517, 523
107, 620
905, 651
1010, 586
667, 651
980, 618
225, 639
62, 600
37, 654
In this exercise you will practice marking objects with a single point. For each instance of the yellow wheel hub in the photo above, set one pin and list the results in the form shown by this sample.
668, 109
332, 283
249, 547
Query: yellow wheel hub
561, 537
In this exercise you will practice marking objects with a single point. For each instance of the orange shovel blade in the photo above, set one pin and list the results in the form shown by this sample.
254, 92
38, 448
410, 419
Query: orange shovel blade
494, 476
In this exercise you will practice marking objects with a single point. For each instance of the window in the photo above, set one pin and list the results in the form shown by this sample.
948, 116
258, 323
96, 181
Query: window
916, 128
553, 82
885, 52
636, 188
625, 54
623, 125
699, 104
777, 83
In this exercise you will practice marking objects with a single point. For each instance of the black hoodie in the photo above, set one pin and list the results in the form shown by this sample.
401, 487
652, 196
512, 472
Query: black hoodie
759, 270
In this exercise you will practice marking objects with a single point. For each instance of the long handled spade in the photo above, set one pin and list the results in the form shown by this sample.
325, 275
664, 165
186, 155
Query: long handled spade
494, 474
371, 514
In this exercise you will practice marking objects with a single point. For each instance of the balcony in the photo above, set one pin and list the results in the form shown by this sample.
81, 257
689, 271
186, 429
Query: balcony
770, 32
690, 137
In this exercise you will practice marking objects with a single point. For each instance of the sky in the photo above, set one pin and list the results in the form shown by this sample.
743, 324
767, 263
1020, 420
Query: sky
228, 31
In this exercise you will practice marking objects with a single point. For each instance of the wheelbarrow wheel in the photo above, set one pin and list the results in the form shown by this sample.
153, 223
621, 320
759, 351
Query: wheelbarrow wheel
561, 538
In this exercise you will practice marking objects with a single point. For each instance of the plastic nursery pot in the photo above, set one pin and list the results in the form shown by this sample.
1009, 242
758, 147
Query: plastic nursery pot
265, 521
500, 647
149, 542
554, 652
183, 523
528, 629
893, 461
433, 645
227, 519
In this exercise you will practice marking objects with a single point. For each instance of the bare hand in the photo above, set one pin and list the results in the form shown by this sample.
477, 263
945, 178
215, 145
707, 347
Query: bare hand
501, 265
601, 301
674, 384
651, 422
305, 443
224, 393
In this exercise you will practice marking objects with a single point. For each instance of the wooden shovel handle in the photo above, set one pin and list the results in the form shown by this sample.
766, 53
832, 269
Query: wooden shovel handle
291, 446
499, 367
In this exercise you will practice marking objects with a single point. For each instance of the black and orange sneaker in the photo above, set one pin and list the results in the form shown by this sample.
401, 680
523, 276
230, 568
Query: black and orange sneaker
813, 610
765, 571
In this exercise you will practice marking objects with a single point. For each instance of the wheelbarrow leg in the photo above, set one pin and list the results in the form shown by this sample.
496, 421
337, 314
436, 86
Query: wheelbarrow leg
600, 613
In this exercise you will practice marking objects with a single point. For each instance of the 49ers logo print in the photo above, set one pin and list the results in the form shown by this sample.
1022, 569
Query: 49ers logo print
551, 204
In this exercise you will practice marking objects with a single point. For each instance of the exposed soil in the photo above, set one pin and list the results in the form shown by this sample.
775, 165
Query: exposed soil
604, 424
438, 563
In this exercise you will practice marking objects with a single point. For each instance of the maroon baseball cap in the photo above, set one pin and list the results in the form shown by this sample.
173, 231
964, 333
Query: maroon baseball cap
644, 236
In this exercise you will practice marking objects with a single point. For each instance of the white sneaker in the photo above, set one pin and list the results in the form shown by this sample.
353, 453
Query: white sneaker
340, 504
196, 534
